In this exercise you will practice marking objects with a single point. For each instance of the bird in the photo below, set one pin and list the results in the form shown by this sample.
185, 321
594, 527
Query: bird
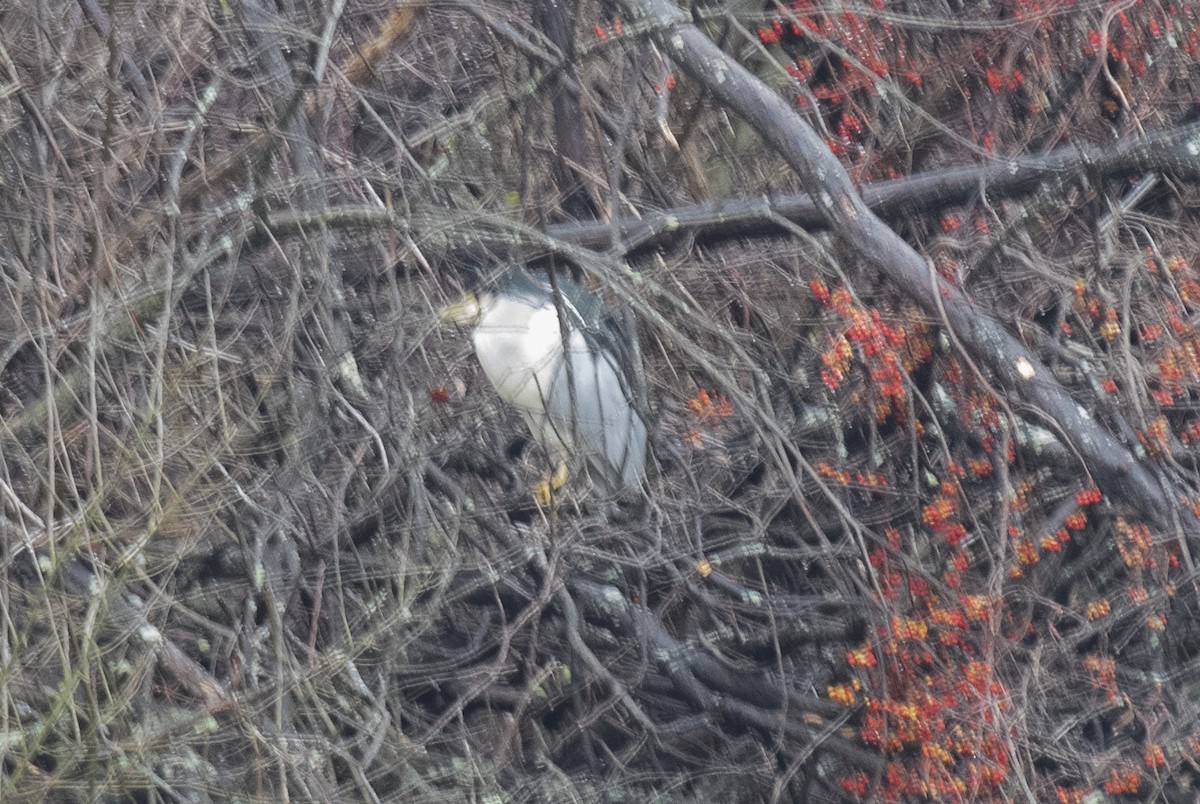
565, 364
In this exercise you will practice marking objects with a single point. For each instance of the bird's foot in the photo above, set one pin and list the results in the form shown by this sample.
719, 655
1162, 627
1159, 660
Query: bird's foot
544, 490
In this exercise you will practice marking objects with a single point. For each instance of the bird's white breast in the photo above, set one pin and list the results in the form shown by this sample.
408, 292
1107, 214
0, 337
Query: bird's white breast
520, 352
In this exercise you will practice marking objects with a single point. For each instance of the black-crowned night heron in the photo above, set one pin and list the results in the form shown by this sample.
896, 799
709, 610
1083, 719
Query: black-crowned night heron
563, 362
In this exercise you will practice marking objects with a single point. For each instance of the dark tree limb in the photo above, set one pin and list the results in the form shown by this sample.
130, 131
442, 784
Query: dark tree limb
570, 135
1168, 151
707, 685
1113, 467
1171, 151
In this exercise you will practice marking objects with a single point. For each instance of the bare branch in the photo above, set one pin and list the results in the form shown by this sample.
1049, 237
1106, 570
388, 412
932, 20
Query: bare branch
1117, 472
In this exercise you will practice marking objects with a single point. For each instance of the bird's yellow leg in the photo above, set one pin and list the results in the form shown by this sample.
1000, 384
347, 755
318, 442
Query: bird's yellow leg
544, 490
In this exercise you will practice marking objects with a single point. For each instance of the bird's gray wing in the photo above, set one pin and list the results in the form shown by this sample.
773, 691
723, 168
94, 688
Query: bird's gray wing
602, 424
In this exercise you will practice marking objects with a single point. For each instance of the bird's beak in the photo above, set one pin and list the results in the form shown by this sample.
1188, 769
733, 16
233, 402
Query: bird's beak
463, 311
